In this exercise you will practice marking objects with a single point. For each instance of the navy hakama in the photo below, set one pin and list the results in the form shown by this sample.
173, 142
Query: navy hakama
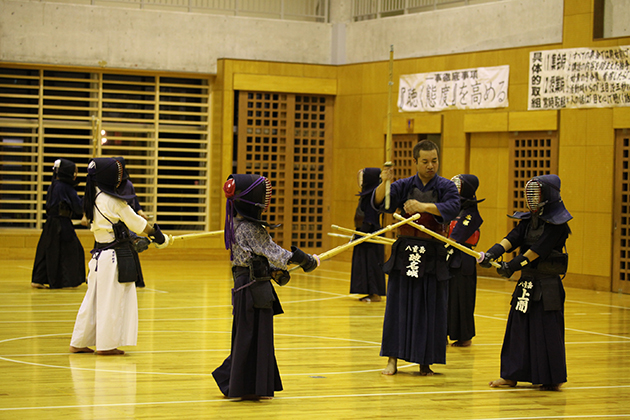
414, 328
461, 302
367, 275
251, 368
533, 347
60, 259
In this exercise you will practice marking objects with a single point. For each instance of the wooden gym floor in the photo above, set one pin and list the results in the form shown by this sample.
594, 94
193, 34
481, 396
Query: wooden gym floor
327, 346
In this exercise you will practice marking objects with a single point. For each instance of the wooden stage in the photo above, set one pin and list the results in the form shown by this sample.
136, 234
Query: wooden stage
327, 346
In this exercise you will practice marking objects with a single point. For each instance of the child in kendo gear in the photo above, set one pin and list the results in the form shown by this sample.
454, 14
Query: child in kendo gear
463, 267
60, 259
108, 316
366, 275
251, 370
533, 347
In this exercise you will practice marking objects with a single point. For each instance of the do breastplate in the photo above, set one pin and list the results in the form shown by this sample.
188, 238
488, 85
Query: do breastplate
427, 220
534, 231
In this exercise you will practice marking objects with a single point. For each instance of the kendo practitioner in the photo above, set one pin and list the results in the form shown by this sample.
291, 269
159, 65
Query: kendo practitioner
108, 316
533, 347
366, 276
60, 259
414, 328
251, 372
463, 282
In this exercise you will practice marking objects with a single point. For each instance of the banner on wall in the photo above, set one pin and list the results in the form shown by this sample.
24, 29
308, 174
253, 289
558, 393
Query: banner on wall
579, 78
483, 87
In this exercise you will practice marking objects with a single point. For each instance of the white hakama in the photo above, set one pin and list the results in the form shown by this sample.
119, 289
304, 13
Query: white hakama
108, 317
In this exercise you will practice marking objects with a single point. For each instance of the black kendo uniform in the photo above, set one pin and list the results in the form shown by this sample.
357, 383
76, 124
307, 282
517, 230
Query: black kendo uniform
251, 369
414, 326
367, 275
463, 267
533, 347
60, 259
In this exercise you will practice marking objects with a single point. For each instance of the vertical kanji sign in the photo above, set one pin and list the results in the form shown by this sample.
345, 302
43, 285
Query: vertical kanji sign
579, 78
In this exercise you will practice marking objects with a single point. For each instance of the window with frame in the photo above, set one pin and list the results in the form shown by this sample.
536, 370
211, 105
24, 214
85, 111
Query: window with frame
287, 137
158, 123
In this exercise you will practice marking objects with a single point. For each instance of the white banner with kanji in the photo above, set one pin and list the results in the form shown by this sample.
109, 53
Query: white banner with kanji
480, 88
579, 78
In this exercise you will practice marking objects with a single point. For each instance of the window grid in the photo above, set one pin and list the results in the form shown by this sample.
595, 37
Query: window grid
309, 144
159, 124
402, 148
263, 131
376, 9
285, 137
298, 10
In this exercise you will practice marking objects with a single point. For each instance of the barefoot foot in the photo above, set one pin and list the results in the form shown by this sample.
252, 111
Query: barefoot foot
425, 370
81, 350
38, 286
112, 352
502, 383
391, 367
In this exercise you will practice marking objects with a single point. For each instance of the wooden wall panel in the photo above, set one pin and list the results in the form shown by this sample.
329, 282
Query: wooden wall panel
489, 161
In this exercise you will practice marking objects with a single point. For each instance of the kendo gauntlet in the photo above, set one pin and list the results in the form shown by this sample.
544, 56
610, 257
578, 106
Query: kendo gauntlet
492, 254
508, 268
304, 260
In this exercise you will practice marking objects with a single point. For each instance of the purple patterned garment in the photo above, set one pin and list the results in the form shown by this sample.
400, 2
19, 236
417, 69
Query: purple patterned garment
253, 239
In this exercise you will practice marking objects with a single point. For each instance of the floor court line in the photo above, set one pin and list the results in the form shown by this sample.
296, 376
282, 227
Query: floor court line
366, 395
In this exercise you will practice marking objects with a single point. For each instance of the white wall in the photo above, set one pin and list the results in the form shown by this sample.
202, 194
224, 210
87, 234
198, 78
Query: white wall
83, 35
80, 35
616, 18
504, 24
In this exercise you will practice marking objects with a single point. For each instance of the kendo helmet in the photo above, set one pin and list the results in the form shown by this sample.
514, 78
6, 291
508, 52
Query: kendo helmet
64, 170
467, 185
249, 195
110, 176
369, 180
542, 194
